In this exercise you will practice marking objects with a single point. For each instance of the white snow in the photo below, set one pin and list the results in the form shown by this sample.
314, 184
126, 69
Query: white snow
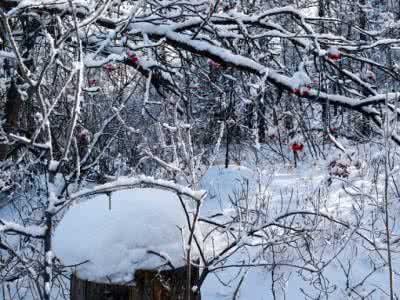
115, 242
333, 51
33, 231
53, 165
131, 182
7, 54
222, 183
38, 117
300, 78
368, 75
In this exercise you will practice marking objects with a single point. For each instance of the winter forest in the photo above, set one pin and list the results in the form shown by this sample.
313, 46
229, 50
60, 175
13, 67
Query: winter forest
199, 149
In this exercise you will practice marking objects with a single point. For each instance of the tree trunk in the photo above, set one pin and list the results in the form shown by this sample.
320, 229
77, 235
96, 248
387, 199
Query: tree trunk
13, 107
325, 106
365, 126
149, 285
261, 122
228, 142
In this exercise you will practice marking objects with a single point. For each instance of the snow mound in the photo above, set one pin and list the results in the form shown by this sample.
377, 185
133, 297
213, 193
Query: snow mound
222, 183
141, 231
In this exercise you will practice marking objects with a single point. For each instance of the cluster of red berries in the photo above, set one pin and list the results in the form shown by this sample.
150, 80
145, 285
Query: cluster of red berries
297, 147
302, 91
108, 68
132, 57
334, 54
213, 64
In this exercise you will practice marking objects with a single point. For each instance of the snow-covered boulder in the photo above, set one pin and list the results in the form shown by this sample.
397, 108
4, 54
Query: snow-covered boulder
144, 229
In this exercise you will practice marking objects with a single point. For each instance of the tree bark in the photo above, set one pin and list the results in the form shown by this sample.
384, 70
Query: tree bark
12, 109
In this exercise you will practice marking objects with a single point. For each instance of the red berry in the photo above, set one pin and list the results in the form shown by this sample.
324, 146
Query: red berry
109, 68
213, 63
133, 57
297, 147
296, 91
334, 57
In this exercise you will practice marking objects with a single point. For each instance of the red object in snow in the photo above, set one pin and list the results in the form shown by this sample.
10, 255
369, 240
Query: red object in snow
296, 91
109, 68
84, 137
305, 91
92, 82
213, 64
371, 76
334, 54
368, 74
133, 57
334, 57
297, 147
333, 129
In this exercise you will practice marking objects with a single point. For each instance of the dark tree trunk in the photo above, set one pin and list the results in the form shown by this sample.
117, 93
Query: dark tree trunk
325, 106
261, 122
12, 109
228, 142
365, 126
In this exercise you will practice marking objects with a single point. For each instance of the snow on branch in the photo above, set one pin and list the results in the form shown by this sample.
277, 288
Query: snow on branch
29, 142
134, 182
45, 4
228, 58
7, 54
32, 231
175, 34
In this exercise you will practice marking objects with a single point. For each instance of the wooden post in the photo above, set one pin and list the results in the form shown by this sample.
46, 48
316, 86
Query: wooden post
149, 285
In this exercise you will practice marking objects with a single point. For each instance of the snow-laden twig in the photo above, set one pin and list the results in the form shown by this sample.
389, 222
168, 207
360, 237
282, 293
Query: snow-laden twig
133, 182
32, 230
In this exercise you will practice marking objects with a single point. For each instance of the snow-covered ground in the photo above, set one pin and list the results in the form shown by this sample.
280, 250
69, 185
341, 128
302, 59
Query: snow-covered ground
348, 267
339, 253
